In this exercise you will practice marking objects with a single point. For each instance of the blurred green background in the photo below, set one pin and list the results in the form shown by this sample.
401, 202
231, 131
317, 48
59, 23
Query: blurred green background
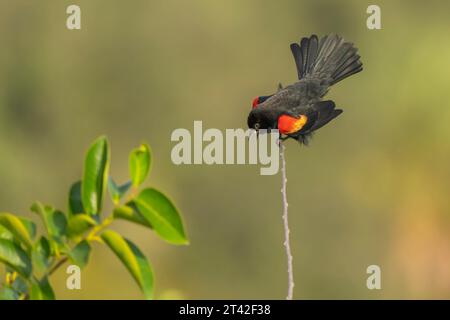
373, 187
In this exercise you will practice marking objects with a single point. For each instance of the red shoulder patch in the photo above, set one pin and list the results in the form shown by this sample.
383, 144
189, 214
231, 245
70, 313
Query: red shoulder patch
255, 102
288, 124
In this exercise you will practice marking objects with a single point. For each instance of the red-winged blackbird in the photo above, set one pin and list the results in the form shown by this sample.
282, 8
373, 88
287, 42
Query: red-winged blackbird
297, 110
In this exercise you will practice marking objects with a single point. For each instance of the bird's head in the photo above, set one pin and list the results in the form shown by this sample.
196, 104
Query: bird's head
258, 119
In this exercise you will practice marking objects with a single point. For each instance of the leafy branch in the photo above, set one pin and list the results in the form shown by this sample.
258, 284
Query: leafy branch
30, 260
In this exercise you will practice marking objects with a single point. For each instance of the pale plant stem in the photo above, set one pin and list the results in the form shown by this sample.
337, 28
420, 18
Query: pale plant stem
286, 224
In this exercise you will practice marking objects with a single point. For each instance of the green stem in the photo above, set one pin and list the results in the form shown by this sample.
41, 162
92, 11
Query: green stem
99, 228
90, 237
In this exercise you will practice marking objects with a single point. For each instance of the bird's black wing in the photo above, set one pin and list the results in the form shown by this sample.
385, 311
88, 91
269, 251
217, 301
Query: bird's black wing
319, 114
326, 111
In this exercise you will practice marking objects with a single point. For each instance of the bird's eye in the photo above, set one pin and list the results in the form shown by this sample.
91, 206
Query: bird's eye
256, 126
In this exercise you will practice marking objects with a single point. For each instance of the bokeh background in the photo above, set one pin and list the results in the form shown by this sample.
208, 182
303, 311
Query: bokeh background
373, 188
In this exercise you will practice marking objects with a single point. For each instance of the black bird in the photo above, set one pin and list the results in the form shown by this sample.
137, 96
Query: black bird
298, 109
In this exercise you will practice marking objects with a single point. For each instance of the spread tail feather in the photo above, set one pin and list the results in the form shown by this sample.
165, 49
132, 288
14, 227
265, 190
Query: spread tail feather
330, 60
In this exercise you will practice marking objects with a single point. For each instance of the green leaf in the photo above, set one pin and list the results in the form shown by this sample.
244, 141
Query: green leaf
140, 162
129, 212
42, 290
58, 247
75, 204
117, 192
18, 228
133, 259
15, 257
79, 224
159, 211
95, 176
41, 255
80, 254
5, 233
8, 294
54, 220
30, 225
